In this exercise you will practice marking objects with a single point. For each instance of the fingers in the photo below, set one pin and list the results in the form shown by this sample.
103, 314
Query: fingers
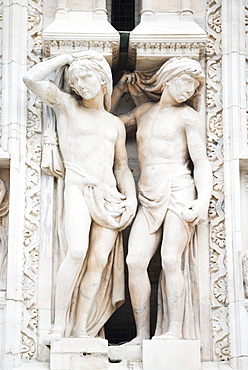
126, 219
129, 78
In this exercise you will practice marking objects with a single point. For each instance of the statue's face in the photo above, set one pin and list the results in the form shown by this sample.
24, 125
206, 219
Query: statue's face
86, 83
182, 87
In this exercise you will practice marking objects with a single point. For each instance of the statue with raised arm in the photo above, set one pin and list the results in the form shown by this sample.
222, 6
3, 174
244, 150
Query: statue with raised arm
99, 193
174, 188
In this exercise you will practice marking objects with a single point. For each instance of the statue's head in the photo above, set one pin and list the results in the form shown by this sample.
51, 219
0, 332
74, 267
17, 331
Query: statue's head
99, 69
173, 69
176, 66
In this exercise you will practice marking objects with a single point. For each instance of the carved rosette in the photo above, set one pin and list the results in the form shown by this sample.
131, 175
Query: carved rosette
219, 293
32, 206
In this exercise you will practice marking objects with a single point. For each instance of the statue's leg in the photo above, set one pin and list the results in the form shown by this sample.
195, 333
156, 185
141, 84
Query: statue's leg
102, 241
141, 247
77, 228
175, 238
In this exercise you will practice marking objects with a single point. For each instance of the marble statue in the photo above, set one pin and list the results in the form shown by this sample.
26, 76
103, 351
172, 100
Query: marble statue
99, 192
173, 197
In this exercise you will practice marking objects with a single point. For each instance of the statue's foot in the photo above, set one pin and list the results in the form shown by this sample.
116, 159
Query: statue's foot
137, 341
56, 333
170, 335
80, 332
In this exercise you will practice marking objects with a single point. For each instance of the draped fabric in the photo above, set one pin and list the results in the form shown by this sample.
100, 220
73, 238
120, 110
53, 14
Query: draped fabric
172, 194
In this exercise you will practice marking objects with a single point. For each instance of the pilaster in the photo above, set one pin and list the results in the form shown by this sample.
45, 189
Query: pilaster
235, 148
13, 141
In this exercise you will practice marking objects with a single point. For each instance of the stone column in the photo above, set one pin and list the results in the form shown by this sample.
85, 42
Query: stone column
147, 8
235, 147
62, 6
186, 13
14, 116
100, 11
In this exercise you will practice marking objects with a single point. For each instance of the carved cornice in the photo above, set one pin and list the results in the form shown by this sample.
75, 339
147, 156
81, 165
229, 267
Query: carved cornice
110, 49
163, 36
163, 50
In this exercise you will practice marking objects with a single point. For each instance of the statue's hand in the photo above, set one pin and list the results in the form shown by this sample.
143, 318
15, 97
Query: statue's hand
129, 212
195, 213
127, 78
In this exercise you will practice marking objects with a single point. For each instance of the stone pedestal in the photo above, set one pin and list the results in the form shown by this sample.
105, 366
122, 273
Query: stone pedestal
125, 353
162, 354
79, 354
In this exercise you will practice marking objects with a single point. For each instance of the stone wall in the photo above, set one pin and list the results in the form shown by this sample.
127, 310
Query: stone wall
26, 304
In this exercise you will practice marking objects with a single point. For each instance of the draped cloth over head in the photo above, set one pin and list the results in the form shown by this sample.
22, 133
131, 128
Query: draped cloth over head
151, 83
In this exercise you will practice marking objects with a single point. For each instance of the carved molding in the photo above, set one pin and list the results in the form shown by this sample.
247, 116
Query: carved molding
164, 50
219, 292
110, 49
32, 207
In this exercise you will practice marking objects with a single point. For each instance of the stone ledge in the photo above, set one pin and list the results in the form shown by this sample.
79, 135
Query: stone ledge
161, 354
80, 345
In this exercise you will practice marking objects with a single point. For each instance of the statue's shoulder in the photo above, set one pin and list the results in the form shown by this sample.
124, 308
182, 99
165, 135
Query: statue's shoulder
189, 115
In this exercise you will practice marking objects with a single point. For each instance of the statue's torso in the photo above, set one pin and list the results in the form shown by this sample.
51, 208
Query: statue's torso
87, 139
162, 143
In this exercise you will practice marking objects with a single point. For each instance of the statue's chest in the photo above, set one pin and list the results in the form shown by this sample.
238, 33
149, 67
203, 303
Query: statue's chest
165, 127
88, 127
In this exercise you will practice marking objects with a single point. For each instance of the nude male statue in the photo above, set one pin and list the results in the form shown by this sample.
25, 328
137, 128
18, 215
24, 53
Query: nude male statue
170, 134
92, 144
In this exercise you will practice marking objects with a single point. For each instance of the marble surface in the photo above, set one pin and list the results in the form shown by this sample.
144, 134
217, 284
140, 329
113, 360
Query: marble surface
120, 366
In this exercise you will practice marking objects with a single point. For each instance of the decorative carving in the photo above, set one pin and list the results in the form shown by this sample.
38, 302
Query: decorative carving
32, 209
110, 49
216, 211
220, 325
165, 50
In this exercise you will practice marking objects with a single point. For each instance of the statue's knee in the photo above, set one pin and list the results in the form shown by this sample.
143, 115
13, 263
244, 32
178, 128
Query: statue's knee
97, 263
134, 264
170, 262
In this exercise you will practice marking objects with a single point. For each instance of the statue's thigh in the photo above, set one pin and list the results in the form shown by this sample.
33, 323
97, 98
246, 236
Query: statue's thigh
175, 234
142, 245
77, 218
102, 241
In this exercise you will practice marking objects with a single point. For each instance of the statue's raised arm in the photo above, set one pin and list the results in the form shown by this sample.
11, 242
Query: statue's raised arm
47, 91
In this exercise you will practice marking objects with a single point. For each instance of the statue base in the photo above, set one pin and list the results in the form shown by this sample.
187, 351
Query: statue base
125, 354
161, 354
79, 354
